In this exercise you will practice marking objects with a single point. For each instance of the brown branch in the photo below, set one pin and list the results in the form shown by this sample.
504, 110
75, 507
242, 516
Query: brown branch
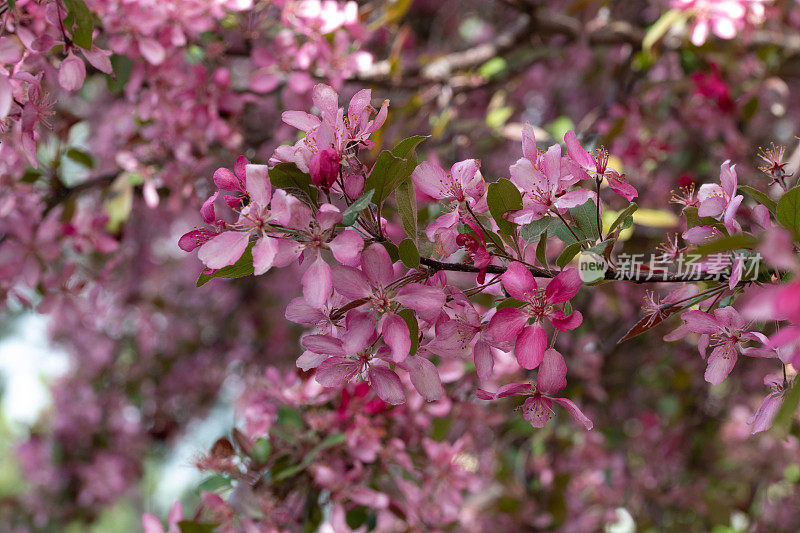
610, 275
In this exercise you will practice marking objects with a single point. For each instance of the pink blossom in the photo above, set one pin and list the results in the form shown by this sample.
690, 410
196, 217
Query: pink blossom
538, 304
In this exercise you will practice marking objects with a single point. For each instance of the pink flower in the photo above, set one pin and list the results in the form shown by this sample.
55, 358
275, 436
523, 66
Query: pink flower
152, 524
512, 323
724, 330
765, 414
544, 183
324, 168
538, 408
716, 200
597, 165
71, 73
354, 357
332, 129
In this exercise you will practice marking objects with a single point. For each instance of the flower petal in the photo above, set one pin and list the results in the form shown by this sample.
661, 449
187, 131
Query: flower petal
386, 384
530, 346
224, 249
519, 282
552, 376
564, 286
506, 324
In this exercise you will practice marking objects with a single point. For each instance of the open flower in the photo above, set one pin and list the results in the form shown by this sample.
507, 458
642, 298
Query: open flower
544, 183
538, 304
538, 408
721, 200
597, 165
724, 330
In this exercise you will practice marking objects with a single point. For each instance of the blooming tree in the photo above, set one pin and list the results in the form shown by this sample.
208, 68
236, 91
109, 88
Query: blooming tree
419, 264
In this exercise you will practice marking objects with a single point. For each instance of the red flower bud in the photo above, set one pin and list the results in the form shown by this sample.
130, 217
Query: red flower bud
324, 168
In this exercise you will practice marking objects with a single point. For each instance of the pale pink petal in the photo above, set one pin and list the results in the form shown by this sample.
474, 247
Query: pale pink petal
300, 311
346, 247
506, 324
530, 346
420, 297
377, 265
577, 153
99, 59
359, 331
224, 249
396, 336
300, 119
564, 286
576, 413
335, 372
537, 410
720, 363
552, 376
324, 344
226, 180
700, 32
519, 282
6, 96
264, 253
512, 389
386, 384
463, 171
207, 210
71, 73
350, 282
317, 283
264, 80
152, 51
728, 179
566, 323
573, 199
730, 215
424, 377
711, 207
729, 318
764, 416
327, 101
529, 150
151, 524
309, 360
700, 322
484, 362
258, 186
431, 179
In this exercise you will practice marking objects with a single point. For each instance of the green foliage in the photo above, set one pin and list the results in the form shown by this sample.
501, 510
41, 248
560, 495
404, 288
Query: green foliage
585, 217
293, 180
406, 198
788, 211
413, 328
409, 254
79, 22
351, 213
503, 196
393, 168
530, 232
759, 197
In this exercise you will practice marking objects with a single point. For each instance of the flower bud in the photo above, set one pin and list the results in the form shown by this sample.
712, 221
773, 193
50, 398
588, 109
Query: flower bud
324, 168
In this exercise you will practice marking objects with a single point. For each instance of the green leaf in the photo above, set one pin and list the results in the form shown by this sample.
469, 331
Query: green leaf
190, 526
661, 27
409, 254
351, 213
503, 196
119, 205
328, 442
12, 4
728, 243
261, 449
530, 232
80, 22
565, 235
541, 250
788, 211
394, 253
82, 158
623, 215
393, 168
242, 267
585, 217
406, 198
290, 418
122, 65
293, 180
494, 67
568, 254
413, 328
694, 220
759, 197
214, 483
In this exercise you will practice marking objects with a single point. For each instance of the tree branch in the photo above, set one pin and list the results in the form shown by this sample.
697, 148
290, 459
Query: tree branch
609, 275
